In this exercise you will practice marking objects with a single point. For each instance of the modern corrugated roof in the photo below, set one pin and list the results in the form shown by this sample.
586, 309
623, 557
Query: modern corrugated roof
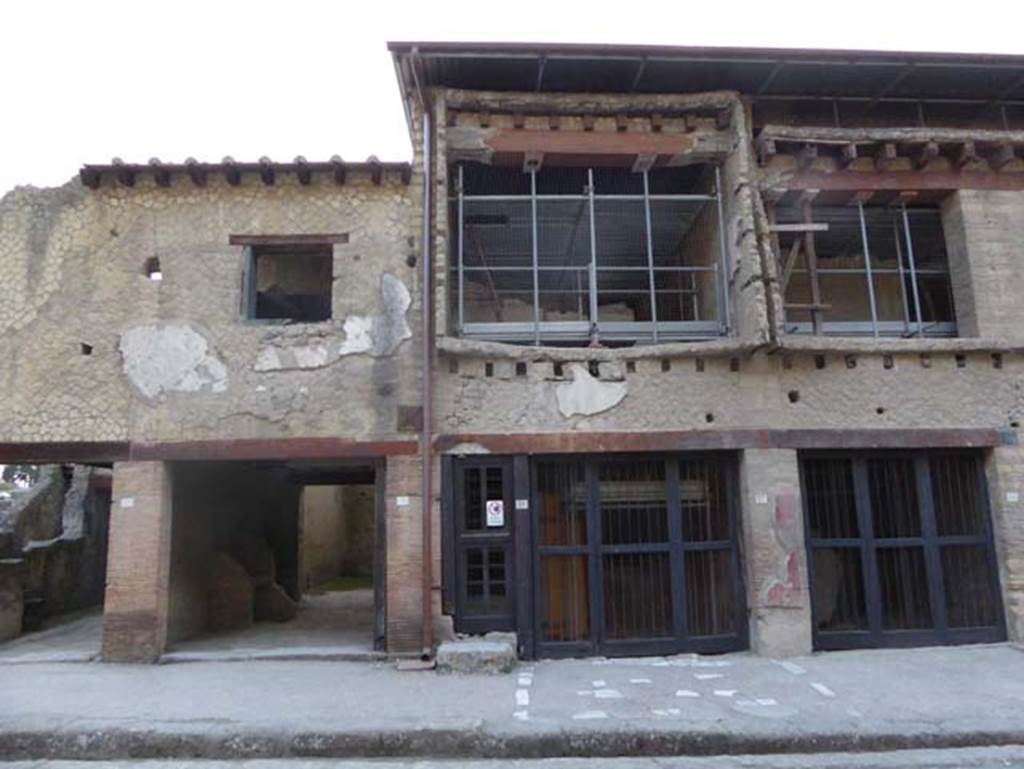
774, 73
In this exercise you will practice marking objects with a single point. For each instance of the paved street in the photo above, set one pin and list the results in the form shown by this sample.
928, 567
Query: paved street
967, 758
872, 700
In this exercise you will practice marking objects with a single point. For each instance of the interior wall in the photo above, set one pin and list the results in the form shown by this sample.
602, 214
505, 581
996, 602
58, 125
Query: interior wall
337, 533
214, 506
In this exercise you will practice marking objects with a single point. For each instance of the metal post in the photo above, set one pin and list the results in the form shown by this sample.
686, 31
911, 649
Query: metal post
650, 259
867, 270
903, 283
723, 255
533, 248
462, 238
913, 269
593, 255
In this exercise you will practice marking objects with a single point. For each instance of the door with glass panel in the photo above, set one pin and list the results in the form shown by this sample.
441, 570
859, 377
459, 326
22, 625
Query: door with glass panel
636, 555
485, 597
900, 550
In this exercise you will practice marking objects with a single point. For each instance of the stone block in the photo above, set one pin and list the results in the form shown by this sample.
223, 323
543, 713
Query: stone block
272, 604
230, 596
493, 653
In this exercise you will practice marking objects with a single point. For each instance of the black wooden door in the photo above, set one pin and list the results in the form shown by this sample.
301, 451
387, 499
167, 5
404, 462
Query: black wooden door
900, 550
636, 555
484, 545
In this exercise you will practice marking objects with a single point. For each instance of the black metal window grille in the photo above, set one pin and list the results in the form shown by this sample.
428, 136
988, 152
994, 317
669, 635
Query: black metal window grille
575, 254
900, 550
636, 555
484, 547
871, 271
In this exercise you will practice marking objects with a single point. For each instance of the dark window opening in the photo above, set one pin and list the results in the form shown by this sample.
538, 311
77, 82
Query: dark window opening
571, 255
290, 283
864, 270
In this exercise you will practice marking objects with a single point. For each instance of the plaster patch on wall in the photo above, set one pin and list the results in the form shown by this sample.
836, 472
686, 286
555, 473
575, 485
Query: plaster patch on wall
379, 335
586, 395
172, 357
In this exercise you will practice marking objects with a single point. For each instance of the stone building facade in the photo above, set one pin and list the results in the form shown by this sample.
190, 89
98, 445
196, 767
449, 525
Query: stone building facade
703, 350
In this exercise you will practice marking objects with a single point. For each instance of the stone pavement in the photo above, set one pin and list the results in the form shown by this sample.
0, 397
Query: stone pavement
677, 706
954, 758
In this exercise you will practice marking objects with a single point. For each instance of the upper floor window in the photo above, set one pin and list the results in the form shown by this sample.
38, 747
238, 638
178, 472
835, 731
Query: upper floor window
864, 270
576, 255
288, 277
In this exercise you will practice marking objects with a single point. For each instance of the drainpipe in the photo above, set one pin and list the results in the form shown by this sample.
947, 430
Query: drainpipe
427, 380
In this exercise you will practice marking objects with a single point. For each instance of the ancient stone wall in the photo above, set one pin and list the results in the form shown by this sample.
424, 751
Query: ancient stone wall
94, 350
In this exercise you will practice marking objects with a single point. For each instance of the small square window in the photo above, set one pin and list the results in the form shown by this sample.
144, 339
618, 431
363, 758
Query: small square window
290, 282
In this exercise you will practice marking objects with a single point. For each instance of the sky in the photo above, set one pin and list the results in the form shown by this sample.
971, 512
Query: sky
89, 80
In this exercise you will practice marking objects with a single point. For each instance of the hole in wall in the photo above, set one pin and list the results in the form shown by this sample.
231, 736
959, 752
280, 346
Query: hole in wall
453, 366
961, 360
787, 362
851, 361
152, 269
594, 367
520, 368
819, 361
86, 348
558, 369
734, 364
880, 410
631, 366
709, 417
926, 360
666, 365
887, 361
794, 396
1014, 424
699, 365
488, 369
997, 360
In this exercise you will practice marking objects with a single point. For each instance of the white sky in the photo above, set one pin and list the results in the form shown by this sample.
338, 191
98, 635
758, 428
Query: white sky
84, 81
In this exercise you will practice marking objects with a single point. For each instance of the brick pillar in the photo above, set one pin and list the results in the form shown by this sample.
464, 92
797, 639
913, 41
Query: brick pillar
138, 563
1005, 469
778, 599
404, 524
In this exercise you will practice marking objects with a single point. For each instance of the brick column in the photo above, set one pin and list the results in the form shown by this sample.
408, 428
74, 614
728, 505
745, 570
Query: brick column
138, 563
1005, 469
775, 563
404, 554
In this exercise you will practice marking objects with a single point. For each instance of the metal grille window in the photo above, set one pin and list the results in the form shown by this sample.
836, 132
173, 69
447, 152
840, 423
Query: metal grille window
577, 254
900, 550
859, 270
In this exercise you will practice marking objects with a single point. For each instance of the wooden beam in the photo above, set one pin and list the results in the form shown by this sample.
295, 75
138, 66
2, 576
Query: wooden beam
1002, 157
621, 123
592, 143
848, 155
340, 170
196, 172
657, 122
302, 171
124, 175
289, 240
267, 170
966, 155
231, 172
806, 156
376, 169
812, 267
860, 196
790, 265
799, 227
161, 175
900, 180
928, 153
885, 155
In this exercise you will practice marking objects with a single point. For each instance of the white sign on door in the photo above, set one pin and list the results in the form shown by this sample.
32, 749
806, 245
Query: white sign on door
495, 512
